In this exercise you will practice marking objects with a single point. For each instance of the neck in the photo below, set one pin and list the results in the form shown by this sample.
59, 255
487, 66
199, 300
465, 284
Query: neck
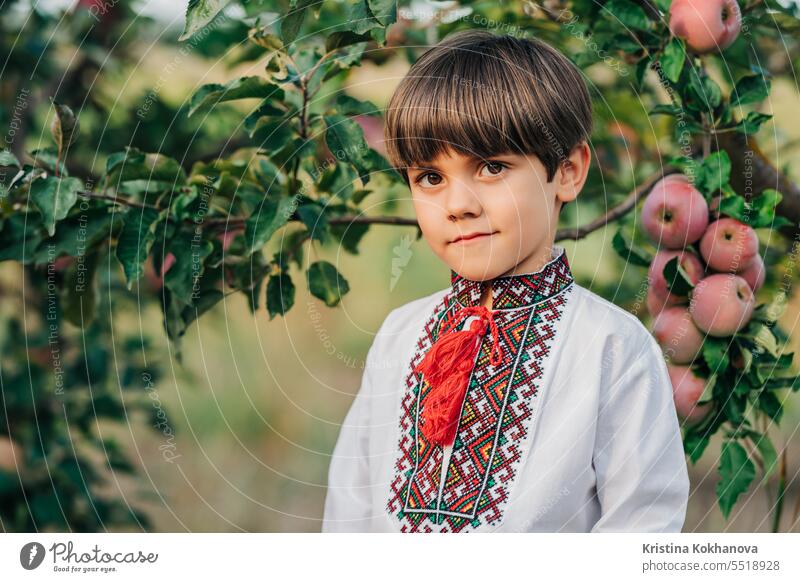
533, 263
486, 297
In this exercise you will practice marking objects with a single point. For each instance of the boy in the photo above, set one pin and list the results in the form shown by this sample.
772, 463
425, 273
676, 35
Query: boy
515, 399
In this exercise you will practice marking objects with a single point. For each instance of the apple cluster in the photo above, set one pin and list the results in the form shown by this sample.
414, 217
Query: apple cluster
724, 277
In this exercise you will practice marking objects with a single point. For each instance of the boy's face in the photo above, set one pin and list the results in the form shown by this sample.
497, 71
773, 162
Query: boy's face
506, 199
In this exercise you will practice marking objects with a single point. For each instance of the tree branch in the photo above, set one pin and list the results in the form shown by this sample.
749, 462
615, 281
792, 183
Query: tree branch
616, 212
752, 173
613, 214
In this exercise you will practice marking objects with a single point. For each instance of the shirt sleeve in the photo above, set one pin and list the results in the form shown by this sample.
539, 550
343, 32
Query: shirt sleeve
347, 502
642, 479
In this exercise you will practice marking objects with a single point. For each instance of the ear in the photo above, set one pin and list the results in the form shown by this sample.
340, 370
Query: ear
572, 173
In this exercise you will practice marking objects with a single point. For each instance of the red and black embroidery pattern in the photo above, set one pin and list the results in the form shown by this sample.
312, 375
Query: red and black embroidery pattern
494, 421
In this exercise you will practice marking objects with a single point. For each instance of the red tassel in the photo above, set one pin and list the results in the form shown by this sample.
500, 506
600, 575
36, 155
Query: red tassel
447, 367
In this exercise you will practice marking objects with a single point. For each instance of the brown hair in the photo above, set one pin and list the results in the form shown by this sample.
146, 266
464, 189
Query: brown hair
482, 95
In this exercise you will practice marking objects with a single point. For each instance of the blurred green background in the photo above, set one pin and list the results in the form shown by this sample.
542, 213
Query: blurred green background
257, 405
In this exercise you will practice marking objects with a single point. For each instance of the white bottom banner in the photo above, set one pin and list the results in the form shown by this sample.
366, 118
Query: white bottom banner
400, 557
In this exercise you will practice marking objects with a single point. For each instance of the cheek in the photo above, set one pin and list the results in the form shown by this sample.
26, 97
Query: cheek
429, 216
509, 212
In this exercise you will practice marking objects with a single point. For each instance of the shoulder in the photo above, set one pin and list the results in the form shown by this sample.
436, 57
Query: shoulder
413, 313
620, 328
403, 324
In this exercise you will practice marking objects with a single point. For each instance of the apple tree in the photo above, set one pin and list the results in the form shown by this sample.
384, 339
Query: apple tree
681, 179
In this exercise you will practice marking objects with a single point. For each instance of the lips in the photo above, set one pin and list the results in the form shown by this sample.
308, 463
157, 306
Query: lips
473, 236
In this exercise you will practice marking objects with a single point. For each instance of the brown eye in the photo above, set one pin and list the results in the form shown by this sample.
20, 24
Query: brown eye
494, 168
433, 179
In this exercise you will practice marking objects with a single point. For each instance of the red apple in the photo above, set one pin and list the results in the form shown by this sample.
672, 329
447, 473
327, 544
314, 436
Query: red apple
655, 304
690, 263
11, 457
373, 132
677, 334
754, 273
674, 214
722, 304
61, 264
705, 25
687, 388
728, 246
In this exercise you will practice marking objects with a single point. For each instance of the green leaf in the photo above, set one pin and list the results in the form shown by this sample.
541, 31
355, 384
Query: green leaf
313, 216
133, 164
291, 23
385, 11
781, 382
677, 279
771, 405
326, 283
242, 88
665, 109
750, 89
350, 235
628, 14
752, 123
715, 353
280, 294
80, 294
136, 240
20, 236
734, 206
704, 91
628, 252
265, 39
267, 113
199, 13
77, 232
765, 206
641, 71
736, 473
65, 126
694, 444
765, 340
344, 38
8, 159
672, 59
54, 197
360, 18
266, 221
190, 254
347, 105
734, 408
345, 140
337, 179
717, 171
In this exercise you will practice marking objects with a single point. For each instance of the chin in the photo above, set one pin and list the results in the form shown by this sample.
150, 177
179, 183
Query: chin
474, 271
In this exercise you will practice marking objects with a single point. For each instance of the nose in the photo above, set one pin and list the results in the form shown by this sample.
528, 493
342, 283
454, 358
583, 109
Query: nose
462, 201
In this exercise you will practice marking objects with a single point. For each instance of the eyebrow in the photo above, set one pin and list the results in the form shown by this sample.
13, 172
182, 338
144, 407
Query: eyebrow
428, 167
473, 159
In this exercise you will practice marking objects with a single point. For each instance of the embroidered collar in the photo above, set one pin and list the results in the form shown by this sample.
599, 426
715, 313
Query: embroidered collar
519, 290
